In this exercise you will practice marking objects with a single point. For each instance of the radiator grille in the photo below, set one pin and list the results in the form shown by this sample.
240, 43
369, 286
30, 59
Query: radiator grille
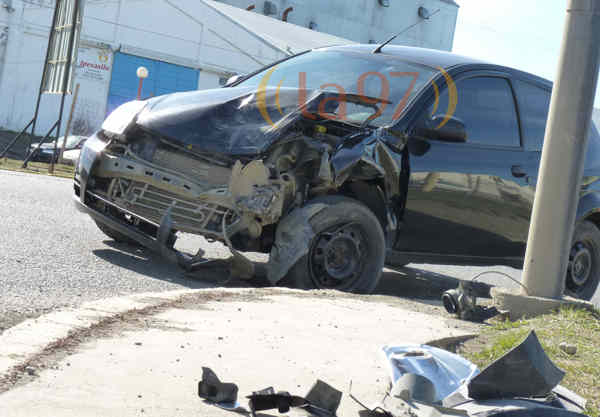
188, 216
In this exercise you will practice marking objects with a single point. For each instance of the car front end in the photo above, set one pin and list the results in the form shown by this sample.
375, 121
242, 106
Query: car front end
236, 164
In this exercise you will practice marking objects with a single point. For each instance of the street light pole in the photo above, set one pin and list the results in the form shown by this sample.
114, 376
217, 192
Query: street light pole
142, 74
563, 154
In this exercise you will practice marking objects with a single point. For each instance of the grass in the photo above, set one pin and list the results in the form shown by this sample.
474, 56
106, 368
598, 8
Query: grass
60, 170
579, 327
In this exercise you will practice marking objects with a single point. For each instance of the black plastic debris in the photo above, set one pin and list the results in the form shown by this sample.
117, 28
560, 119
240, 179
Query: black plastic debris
212, 389
268, 399
525, 371
322, 400
462, 301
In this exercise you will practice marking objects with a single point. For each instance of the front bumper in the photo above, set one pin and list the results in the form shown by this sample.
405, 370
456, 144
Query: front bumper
129, 231
85, 200
89, 158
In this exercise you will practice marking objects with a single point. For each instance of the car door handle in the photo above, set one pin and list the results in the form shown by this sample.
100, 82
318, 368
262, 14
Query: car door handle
517, 171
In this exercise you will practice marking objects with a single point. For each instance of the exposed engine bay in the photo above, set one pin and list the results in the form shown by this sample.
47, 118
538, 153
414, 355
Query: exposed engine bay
163, 173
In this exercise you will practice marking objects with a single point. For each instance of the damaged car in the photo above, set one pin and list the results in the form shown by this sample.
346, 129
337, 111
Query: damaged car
336, 162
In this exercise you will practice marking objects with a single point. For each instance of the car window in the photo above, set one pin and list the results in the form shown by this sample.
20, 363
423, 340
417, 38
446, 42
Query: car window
487, 108
534, 103
368, 75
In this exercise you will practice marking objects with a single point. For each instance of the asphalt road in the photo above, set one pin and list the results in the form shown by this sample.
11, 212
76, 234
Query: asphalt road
52, 256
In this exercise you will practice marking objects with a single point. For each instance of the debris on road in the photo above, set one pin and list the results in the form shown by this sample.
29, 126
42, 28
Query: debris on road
222, 394
525, 371
522, 382
430, 382
447, 371
322, 400
427, 381
462, 301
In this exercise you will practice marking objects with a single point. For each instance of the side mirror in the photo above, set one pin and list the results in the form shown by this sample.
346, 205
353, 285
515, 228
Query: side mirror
453, 130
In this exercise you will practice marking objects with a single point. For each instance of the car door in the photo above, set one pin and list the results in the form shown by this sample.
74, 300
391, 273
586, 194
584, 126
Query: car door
467, 199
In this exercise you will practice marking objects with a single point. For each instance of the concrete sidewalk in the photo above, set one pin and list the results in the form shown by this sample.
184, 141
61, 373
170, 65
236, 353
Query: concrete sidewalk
149, 363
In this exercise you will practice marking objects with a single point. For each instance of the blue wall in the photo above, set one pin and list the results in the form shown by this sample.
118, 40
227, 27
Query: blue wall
163, 78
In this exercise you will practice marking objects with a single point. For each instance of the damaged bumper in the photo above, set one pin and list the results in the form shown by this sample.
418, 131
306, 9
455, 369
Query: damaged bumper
148, 202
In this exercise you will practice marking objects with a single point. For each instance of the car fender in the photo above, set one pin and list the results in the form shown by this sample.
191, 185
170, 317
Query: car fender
589, 203
293, 236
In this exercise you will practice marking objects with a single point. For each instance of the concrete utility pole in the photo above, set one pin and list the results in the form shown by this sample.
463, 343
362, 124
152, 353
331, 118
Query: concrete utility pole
563, 155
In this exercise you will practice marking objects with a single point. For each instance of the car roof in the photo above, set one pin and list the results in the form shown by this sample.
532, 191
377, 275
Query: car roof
428, 57
432, 58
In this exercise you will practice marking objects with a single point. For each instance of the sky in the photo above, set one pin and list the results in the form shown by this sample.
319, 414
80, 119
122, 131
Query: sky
523, 34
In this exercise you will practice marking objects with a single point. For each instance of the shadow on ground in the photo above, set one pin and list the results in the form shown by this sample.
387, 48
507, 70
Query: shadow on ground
145, 262
405, 282
415, 283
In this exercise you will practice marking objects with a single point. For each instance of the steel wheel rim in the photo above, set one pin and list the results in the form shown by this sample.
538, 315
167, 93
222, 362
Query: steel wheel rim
337, 256
580, 264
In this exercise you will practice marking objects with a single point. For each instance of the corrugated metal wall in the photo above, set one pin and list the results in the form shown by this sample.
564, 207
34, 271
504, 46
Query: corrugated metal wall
164, 78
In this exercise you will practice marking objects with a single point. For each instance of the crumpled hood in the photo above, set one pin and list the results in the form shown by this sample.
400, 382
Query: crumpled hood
235, 121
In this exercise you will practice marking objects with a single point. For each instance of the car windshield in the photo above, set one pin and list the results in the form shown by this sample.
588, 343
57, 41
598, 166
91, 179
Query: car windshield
374, 77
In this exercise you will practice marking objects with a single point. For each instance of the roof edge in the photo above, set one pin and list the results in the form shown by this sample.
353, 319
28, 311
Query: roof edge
251, 32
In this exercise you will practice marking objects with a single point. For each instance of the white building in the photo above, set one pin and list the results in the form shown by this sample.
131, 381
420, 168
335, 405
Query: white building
185, 44
367, 21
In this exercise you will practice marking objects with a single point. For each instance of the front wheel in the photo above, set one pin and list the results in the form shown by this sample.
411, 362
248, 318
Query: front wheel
347, 252
583, 273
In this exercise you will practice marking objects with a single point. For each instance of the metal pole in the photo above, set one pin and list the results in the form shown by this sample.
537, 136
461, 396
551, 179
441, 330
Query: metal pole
31, 154
66, 78
39, 97
563, 154
139, 93
69, 121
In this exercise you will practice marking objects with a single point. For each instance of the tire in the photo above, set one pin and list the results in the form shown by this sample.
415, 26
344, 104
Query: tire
349, 243
583, 272
116, 235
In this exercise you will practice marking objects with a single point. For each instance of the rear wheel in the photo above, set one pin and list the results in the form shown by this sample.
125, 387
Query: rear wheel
347, 252
583, 273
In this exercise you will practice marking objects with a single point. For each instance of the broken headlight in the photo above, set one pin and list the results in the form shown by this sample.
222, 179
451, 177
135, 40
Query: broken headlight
122, 117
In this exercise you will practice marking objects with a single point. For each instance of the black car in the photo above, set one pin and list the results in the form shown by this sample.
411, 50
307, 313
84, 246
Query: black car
339, 161
46, 151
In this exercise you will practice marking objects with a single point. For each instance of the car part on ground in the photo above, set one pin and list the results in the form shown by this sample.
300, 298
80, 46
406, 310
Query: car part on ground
447, 371
322, 400
524, 382
462, 301
525, 371
212, 389
427, 381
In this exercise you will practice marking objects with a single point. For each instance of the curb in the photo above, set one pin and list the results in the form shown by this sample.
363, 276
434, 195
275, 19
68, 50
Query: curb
23, 342
524, 306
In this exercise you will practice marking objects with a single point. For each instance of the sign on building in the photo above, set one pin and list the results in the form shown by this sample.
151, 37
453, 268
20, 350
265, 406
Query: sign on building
93, 73
62, 47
